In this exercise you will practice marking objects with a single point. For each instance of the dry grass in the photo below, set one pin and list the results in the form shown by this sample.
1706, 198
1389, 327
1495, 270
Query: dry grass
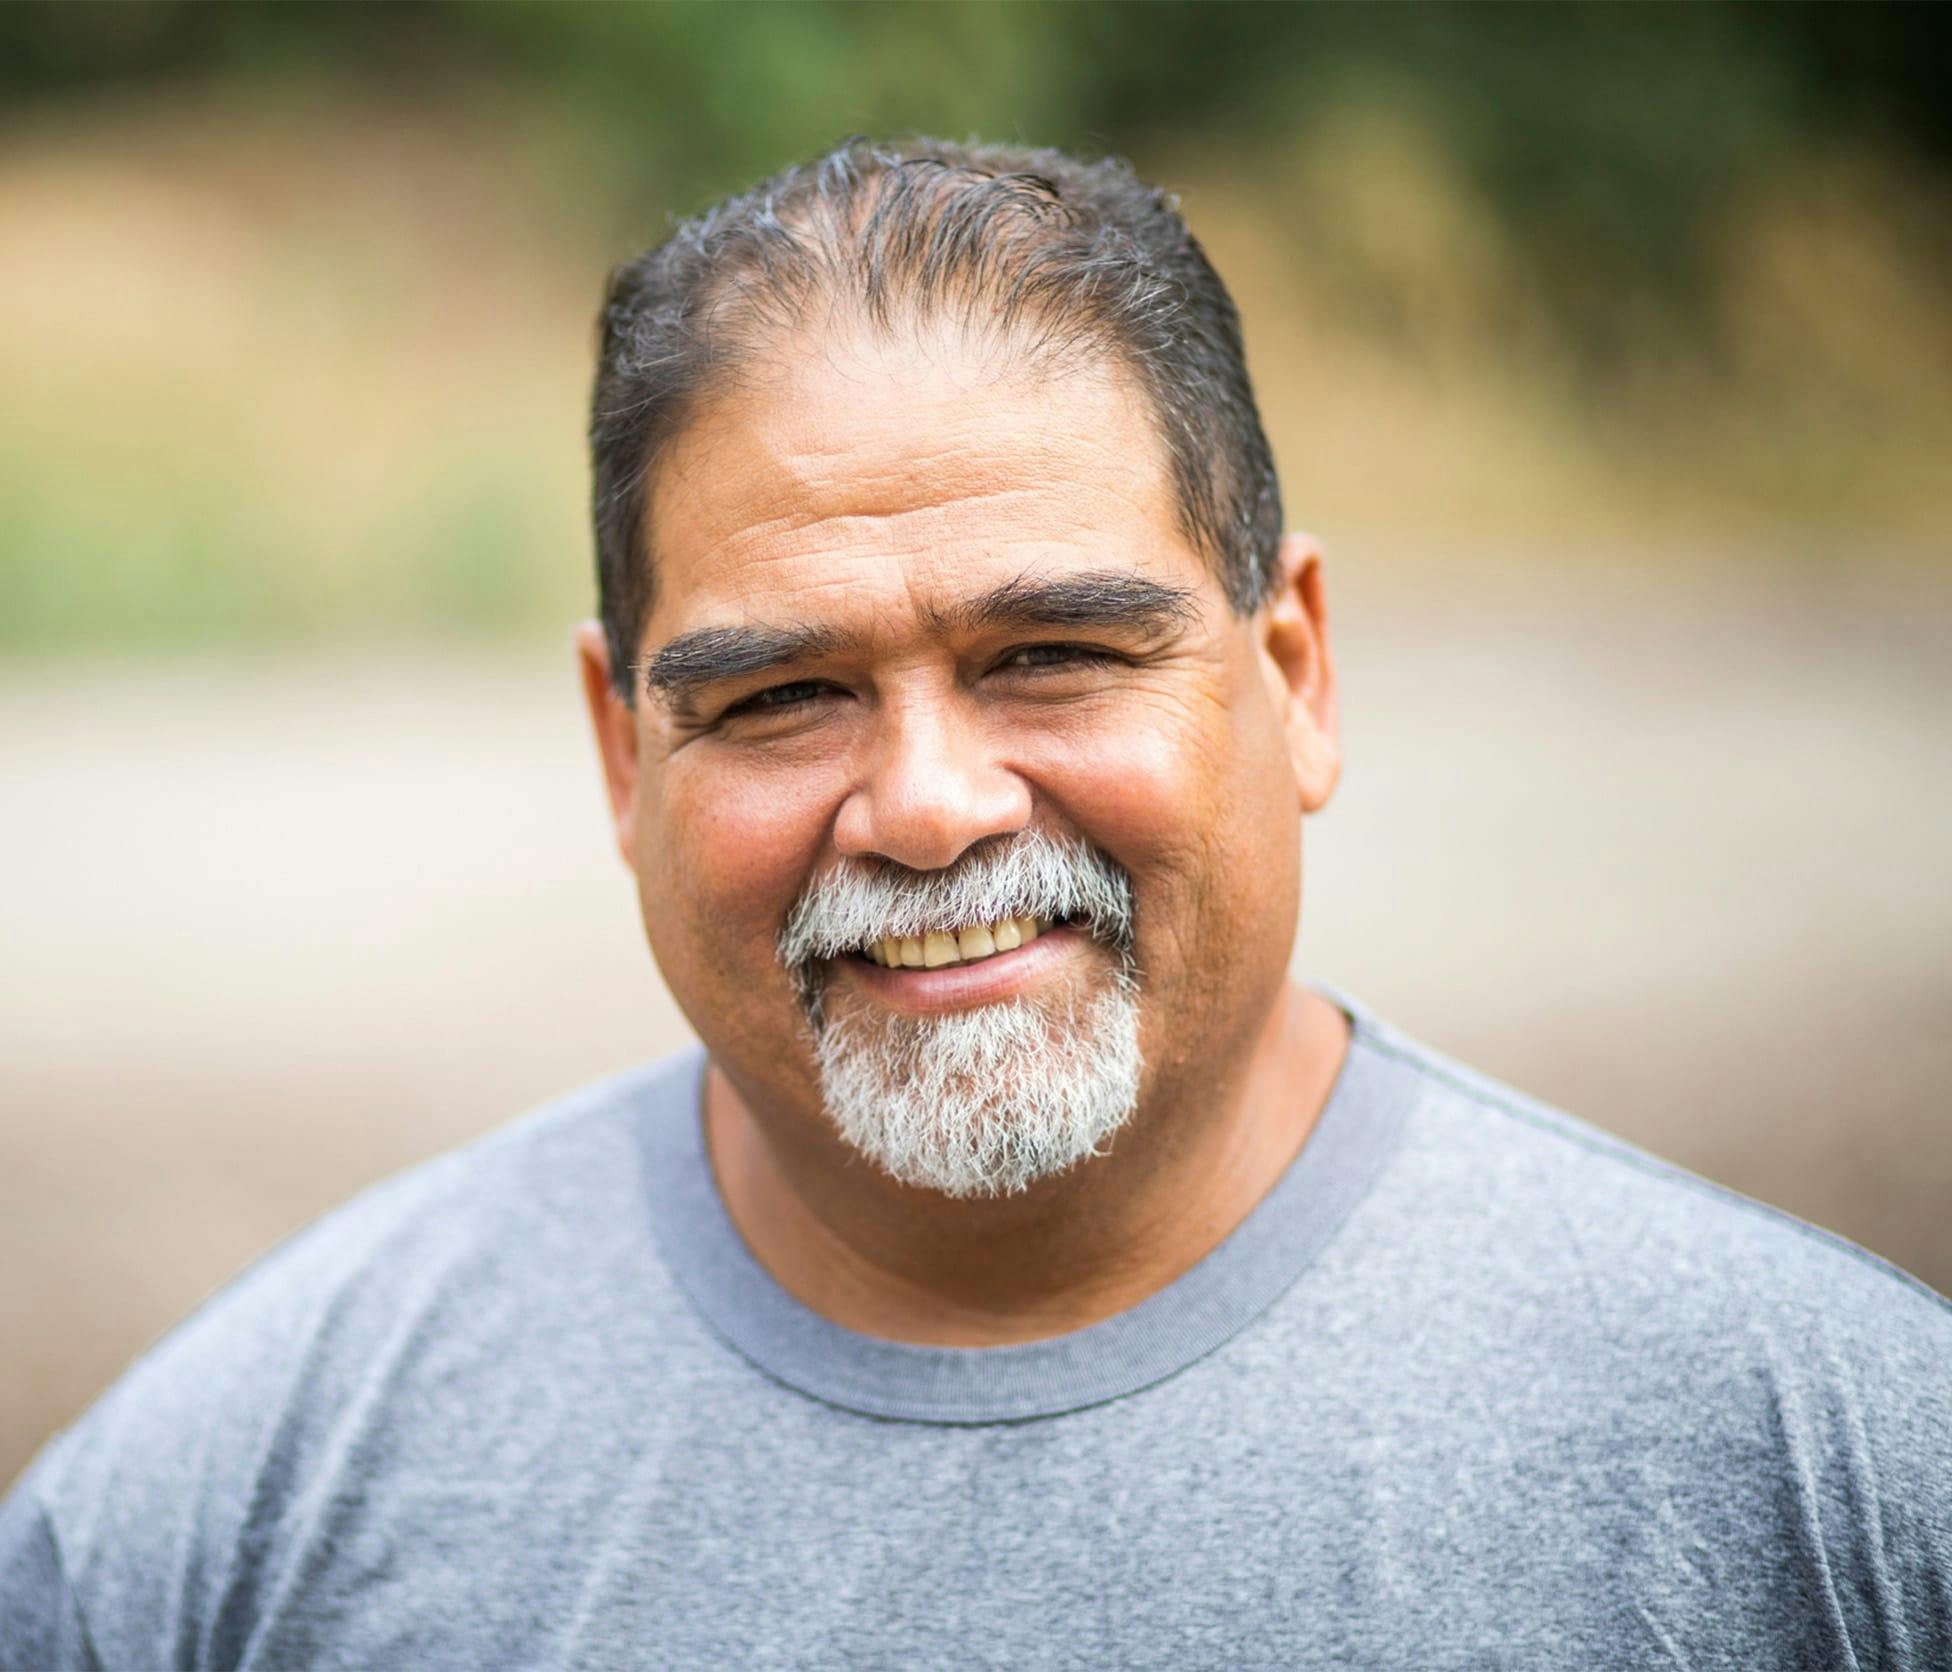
319, 371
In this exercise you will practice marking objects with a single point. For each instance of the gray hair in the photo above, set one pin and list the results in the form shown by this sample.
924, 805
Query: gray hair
984, 1101
1028, 250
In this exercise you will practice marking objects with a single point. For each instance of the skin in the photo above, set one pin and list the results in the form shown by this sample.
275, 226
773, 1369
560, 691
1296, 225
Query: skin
866, 487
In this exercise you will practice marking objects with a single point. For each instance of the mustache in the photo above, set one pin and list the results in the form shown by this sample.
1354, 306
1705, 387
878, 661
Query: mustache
1029, 874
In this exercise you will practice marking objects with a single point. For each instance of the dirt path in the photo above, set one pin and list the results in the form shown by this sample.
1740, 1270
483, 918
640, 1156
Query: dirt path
275, 929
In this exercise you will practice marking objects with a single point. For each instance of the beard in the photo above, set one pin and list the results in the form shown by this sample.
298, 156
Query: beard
985, 1101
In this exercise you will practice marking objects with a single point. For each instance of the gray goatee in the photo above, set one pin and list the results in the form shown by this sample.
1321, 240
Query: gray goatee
985, 1101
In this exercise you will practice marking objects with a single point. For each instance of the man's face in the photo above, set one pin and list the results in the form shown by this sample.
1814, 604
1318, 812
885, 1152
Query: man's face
914, 614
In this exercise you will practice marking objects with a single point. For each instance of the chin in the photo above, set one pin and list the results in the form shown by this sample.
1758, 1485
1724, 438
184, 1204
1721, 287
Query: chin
986, 1101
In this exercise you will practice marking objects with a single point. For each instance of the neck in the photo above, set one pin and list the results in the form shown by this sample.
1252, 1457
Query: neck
911, 1265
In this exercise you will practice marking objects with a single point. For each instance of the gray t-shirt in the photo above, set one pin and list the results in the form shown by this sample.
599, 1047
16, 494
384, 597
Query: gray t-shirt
1474, 1385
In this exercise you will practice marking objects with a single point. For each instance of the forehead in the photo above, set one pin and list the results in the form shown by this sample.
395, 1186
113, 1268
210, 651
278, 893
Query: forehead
849, 476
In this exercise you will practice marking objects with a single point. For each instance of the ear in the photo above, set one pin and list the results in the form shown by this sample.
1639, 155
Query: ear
615, 723
1292, 626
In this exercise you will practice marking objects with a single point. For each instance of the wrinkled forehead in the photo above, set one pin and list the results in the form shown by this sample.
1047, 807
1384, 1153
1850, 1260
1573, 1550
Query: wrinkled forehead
908, 468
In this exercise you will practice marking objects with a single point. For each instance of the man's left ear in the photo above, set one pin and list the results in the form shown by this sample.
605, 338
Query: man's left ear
1291, 627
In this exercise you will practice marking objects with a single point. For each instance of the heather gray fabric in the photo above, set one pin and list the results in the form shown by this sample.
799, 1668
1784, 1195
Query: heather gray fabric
1476, 1385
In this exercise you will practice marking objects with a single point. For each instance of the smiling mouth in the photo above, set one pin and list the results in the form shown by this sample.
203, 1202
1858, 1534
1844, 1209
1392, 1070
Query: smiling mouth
970, 945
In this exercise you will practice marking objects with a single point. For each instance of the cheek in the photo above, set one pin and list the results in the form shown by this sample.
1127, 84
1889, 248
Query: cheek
1256, 893
1198, 803
722, 858
1182, 789
1138, 791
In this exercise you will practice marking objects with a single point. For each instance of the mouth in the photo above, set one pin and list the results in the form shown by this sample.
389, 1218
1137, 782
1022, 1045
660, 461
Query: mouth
945, 977
972, 944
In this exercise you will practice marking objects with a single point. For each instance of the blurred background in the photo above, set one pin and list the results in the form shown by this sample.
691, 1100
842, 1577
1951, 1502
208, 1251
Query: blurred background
1607, 349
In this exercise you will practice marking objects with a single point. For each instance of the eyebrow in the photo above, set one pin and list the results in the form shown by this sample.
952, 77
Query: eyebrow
1095, 598
709, 654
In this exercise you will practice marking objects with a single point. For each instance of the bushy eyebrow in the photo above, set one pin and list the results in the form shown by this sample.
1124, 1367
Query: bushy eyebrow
709, 654
1096, 598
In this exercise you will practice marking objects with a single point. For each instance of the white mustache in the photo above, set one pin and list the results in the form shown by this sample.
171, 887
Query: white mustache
1028, 875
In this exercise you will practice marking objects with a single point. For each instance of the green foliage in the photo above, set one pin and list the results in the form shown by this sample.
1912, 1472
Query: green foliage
306, 363
1606, 138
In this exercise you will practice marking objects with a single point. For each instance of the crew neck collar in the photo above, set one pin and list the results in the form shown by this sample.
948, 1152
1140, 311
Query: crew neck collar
1199, 1311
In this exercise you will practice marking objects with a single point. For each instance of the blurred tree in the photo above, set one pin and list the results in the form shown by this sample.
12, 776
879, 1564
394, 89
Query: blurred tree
1553, 263
1605, 137
1600, 130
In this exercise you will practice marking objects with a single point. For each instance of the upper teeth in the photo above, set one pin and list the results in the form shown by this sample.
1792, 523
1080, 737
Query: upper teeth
965, 946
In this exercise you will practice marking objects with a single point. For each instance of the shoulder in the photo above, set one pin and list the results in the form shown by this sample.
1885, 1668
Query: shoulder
1586, 1251
1540, 1173
499, 1211
1717, 1371
506, 1252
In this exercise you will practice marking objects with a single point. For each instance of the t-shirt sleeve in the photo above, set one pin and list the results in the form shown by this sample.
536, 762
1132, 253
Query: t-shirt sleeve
1898, 1484
1862, 1405
41, 1628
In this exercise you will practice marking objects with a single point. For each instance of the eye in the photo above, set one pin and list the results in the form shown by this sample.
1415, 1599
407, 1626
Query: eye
1035, 657
777, 697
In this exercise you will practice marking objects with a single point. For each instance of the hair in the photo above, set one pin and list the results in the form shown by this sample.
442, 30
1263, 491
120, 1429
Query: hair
1028, 251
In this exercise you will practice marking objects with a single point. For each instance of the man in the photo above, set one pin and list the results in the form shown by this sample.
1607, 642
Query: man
1027, 1272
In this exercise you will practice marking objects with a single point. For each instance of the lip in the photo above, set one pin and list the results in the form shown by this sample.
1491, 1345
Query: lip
960, 986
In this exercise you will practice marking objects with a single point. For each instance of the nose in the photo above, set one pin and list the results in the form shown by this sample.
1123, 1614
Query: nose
931, 789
